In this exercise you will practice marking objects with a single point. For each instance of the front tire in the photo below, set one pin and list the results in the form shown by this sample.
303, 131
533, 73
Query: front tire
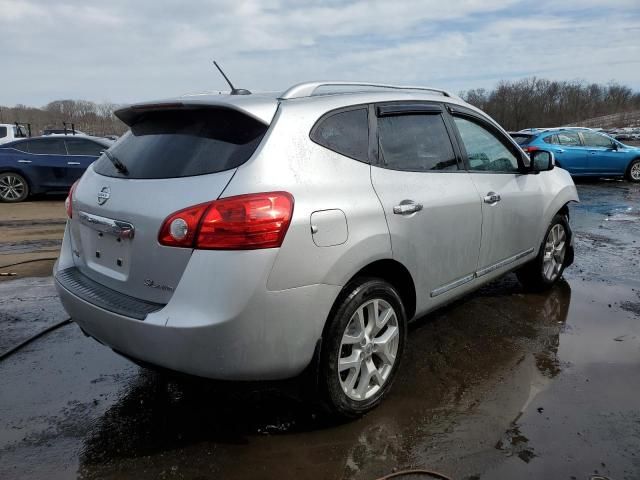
13, 187
633, 172
362, 347
546, 269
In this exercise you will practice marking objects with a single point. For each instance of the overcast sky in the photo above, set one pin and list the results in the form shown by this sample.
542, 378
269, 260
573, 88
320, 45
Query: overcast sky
124, 51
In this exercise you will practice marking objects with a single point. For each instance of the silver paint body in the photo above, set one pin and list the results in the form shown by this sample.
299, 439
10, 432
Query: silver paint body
258, 314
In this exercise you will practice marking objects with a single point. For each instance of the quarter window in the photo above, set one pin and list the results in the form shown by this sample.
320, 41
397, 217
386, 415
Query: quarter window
484, 150
346, 133
595, 140
415, 143
47, 146
569, 139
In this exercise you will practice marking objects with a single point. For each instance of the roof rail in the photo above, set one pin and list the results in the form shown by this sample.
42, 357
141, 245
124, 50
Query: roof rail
307, 89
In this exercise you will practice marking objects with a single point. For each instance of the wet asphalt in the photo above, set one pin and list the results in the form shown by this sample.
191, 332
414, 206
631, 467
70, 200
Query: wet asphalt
502, 384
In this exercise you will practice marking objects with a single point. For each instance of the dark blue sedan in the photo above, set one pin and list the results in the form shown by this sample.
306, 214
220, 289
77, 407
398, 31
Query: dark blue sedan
45, 164
584, 152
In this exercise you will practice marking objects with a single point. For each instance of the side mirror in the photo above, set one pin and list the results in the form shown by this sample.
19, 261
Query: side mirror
541, 161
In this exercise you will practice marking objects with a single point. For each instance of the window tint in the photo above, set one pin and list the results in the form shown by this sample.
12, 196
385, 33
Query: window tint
594, 140
415, 143
551, 139
569, 139
21, 146
3, 132
47, 146
484, 150
80, 146
346, 133
522, 139
182, 143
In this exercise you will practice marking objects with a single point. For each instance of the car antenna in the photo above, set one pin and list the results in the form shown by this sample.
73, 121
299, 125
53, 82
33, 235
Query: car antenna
234, 90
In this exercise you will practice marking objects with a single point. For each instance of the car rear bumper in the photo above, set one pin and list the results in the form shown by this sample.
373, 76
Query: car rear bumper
229, 328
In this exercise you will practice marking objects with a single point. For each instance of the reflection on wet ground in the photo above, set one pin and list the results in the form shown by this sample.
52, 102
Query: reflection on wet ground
502, 384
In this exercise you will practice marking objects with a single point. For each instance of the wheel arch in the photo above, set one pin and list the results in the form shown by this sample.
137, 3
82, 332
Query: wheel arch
393, 272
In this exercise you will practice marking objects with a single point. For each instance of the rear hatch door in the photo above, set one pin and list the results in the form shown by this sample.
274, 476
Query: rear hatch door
172, 158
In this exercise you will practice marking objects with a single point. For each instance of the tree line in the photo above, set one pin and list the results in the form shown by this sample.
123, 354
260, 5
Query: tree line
537, 102
89, 117
530, 102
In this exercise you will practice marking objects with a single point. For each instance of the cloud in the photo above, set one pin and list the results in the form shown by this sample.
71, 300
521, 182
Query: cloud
124, 51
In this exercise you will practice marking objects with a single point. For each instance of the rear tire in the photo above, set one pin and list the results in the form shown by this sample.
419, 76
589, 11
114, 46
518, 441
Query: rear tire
546, 269
633, 172
362, 347
13, 187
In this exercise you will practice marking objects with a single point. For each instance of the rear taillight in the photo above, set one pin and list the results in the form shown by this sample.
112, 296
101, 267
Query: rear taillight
68, 203
244, 222
530, 149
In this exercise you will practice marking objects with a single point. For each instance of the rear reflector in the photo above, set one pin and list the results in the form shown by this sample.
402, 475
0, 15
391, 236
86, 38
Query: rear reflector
244, 222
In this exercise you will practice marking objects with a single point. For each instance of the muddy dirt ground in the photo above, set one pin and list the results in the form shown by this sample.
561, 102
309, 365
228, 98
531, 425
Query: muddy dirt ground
503, 384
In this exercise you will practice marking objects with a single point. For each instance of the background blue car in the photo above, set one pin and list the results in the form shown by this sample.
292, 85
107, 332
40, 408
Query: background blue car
45, 164
584, 152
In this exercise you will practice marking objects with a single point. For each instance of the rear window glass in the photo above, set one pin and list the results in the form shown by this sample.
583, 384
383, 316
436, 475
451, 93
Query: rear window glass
184, 143
346, 133
522, 139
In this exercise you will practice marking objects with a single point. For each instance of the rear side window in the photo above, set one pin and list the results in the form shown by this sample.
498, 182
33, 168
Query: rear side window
46, 146
3, 132
569, 139
552, 139
80, 146
346, 133
184, 143
415, 143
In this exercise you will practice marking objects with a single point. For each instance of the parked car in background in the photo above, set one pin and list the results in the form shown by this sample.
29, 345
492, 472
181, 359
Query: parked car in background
45, 164
249, 237
584, 152
10, 132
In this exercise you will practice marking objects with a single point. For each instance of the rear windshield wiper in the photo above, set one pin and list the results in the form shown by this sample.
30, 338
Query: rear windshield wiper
121, 167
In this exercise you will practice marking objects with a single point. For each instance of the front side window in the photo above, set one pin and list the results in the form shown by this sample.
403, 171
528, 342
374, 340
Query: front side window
80, 146
417, 143
595, 140
569, 139
484, 150
47, 146
346, 133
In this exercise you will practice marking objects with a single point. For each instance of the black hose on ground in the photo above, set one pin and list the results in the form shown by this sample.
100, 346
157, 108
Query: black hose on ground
400, 474
28, 261
13, 350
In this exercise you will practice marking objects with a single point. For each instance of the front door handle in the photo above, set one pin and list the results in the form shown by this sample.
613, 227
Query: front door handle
492, 198
73, 163
24, 161
407, 207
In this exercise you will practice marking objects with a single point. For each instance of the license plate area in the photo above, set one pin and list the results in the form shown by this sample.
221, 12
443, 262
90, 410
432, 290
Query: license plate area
106, 245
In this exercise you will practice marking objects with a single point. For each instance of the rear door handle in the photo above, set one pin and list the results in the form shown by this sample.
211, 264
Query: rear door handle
560, 150
492, 198
407, 207
24, 161
73, 163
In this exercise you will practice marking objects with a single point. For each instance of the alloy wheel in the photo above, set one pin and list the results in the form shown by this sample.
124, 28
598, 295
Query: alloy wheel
635, 171
368, 349
12, 187
555, 248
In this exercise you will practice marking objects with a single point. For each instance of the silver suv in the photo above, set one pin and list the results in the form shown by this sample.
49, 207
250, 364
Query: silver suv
254, 237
